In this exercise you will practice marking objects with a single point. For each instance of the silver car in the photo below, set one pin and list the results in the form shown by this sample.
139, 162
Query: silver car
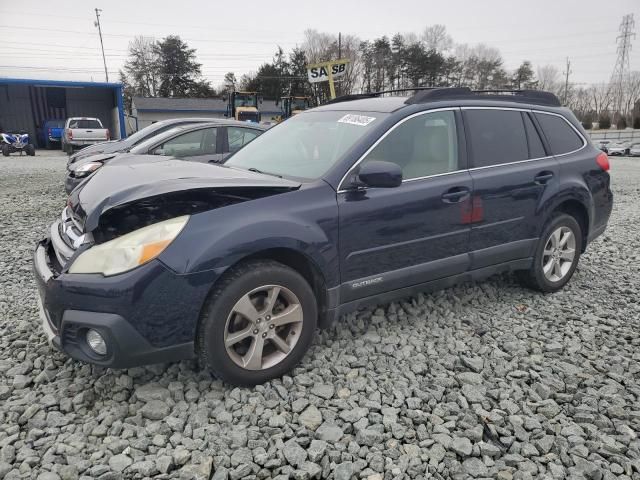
618, 149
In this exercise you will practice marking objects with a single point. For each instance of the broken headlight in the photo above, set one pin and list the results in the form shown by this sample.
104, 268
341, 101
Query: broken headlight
129, 251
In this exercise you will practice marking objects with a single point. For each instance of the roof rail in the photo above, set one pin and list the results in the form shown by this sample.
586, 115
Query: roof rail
358, 96
448, 93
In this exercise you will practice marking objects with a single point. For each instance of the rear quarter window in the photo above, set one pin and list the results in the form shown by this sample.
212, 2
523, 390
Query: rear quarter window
561, 136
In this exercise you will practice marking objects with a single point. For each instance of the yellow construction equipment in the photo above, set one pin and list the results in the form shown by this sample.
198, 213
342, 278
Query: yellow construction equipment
243, 106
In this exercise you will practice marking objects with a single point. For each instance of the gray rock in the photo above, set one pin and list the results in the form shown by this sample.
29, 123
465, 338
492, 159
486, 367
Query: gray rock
369, 437
353, 415
155, 410
344, 471
474, 467
294, 453
329, 432
317, 450
311, 418
462, 446
118, 463
323, 391
48, 476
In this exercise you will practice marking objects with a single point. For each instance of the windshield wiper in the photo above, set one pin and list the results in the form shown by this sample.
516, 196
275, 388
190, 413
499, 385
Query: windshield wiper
252, 169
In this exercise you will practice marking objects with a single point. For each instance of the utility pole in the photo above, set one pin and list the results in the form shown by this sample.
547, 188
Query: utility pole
566, 81
104, 60
339, 54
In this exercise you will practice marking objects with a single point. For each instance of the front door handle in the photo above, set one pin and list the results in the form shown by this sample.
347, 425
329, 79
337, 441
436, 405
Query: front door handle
543, 177
456, 195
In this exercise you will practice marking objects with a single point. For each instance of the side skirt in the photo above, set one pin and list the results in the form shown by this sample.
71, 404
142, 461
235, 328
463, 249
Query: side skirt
442, 283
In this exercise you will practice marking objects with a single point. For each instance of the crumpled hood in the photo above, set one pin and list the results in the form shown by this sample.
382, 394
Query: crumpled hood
140, 176
98, 157
111, 146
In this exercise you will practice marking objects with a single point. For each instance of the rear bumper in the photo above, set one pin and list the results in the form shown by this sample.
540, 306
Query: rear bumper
148, 315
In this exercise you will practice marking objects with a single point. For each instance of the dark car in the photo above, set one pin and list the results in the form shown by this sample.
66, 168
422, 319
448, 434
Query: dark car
124, 144
211, 141
352, 203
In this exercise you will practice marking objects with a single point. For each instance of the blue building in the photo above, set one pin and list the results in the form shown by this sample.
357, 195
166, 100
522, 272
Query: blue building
25, 104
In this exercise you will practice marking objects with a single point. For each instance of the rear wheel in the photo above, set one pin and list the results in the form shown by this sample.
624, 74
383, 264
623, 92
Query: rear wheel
6, 150
556, 256
258, 323
30, 150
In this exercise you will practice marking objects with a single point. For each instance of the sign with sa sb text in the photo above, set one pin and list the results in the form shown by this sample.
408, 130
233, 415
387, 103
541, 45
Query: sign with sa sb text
320, 72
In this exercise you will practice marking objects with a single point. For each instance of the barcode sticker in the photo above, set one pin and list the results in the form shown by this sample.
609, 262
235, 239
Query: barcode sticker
360, 120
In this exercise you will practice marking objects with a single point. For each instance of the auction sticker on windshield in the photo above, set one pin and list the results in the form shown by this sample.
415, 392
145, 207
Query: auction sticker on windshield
360, 120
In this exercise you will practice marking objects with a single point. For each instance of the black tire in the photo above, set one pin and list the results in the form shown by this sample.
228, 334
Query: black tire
6, 150
30, 150
535, 277
210, 343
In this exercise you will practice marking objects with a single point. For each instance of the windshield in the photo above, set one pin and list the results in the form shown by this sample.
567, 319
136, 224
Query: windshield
144, 146
146, 131
298, 104
245, 100
307, 145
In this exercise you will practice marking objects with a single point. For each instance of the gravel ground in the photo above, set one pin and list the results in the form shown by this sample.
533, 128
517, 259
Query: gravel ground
483, 380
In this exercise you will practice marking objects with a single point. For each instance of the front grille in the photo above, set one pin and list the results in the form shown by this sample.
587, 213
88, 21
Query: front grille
66, 236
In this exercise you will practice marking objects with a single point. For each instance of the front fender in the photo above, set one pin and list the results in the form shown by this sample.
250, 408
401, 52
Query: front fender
304, 221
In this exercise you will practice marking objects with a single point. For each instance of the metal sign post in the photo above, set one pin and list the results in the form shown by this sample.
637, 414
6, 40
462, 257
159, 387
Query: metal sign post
326, 72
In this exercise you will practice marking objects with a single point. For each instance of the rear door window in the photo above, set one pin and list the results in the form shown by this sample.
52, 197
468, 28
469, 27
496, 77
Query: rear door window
561, 136
191, 144
496, 136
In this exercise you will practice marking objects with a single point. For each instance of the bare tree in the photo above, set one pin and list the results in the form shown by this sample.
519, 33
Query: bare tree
600, 97
549, 79
435, 37
632, 92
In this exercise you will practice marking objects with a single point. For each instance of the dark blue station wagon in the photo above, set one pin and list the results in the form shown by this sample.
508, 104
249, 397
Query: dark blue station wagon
359, 201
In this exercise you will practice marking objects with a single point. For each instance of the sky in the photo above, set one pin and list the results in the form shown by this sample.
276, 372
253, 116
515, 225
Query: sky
63, 44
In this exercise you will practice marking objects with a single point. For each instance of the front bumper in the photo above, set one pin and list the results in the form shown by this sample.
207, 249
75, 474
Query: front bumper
147, 315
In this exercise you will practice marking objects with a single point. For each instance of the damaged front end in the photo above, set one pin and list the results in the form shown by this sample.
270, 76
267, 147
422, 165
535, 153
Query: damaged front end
69, 236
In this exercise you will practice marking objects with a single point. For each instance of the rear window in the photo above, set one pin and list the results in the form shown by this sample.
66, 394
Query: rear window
85, 123
496, 136
561, 136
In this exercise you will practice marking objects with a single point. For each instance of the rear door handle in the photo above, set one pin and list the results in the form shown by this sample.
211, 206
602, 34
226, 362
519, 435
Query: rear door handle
543, 177
456, 195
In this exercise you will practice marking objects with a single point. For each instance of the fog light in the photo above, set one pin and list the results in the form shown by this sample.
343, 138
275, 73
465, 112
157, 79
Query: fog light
96, 342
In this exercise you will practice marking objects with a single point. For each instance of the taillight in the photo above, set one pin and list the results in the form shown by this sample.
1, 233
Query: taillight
108, 134
49, 132
69, 133
603, 161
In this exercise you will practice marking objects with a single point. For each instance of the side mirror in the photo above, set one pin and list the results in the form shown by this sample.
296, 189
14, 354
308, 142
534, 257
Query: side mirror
159, 151
379, 174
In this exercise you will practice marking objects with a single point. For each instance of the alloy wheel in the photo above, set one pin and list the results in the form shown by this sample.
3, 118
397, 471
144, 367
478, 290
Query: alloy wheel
263, 327
559, 254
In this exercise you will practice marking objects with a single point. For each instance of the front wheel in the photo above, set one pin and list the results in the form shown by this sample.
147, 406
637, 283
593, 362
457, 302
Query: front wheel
258, 323
30, 150
6, 150
556, 256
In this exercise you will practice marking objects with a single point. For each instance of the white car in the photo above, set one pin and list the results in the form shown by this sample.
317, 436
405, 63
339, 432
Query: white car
618, 149
634, 150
